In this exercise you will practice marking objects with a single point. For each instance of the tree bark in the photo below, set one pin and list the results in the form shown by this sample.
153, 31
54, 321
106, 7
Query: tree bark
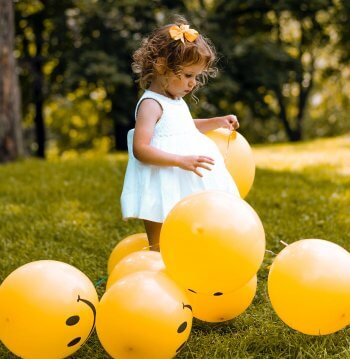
11, 141
293, 135
304, 89
38, 85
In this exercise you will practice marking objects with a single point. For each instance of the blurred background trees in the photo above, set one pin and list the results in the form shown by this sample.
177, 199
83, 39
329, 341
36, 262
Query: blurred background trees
284, 68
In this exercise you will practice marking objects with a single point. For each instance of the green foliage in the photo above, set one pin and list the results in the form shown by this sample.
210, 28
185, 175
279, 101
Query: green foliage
275, 56
68, 210
75, 122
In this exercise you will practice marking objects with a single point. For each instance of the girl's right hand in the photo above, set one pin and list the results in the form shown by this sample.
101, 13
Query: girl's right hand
191, 163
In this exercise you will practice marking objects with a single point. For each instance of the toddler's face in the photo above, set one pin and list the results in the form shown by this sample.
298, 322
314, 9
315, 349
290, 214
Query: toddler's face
181, 85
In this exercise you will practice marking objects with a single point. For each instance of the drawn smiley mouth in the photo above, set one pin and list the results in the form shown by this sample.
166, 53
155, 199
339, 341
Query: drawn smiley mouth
73, 320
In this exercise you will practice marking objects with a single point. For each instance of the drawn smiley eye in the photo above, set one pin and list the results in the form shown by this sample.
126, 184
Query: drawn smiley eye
74, 319
217, 294
182, 327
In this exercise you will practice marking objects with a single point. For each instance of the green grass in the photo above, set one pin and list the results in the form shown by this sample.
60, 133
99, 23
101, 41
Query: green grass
69, 211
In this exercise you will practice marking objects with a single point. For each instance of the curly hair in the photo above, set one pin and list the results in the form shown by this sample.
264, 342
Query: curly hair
175, 55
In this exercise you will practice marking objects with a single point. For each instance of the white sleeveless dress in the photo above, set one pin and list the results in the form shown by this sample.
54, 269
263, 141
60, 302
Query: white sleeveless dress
150, 191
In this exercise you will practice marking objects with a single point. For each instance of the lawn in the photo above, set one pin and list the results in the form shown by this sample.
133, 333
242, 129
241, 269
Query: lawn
69, 210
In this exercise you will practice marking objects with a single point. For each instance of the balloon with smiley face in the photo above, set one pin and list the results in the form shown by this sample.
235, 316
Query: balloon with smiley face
144, 315
135, 262
220, 307
130, 244
212, 241
47, 310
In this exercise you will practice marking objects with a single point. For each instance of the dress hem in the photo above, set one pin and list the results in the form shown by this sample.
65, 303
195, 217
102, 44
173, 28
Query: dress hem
125, 219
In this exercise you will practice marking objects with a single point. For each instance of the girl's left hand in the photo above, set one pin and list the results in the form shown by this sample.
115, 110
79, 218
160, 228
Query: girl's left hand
230, 122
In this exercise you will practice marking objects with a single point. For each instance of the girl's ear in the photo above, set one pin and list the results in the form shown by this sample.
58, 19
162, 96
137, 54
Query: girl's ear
160, 66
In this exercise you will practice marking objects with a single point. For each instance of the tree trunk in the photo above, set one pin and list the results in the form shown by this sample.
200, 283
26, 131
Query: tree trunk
39, 107
38, 85
293, 135
304, 89
11, 141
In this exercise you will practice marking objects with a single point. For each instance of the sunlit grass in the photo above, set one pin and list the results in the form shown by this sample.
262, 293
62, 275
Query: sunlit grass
328, 153
69, 210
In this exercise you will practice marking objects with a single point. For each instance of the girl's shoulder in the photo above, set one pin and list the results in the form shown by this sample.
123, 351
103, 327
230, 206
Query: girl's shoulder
161, 98
163, 102
150, 108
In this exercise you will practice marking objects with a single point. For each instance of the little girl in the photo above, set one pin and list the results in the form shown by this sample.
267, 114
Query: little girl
169, 155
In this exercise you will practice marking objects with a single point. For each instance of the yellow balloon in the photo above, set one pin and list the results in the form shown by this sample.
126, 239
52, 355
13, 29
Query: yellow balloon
212, 241
135, 262
238, 157
133, 243
47, 310
309, 286
144, 315
226, 306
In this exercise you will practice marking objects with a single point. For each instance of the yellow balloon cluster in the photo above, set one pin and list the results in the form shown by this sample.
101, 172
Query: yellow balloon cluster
212, 242
309, 286
47, 310
238, 157
144, 315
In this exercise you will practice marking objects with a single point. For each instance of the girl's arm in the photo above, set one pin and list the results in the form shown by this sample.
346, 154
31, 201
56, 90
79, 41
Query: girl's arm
208, 124
148, 114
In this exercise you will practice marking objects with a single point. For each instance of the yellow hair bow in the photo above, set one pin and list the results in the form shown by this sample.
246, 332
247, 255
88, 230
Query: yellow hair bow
183, 31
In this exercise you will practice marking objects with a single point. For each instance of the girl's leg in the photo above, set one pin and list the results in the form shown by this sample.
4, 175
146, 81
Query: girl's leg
153, 232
